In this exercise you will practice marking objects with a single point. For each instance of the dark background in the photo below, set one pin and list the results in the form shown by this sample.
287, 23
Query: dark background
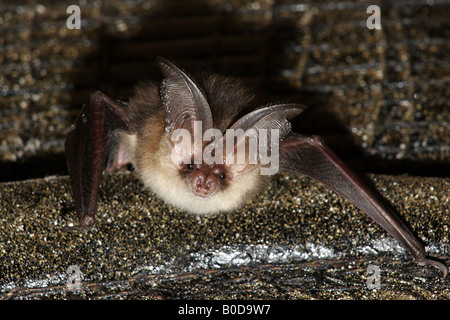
380, 98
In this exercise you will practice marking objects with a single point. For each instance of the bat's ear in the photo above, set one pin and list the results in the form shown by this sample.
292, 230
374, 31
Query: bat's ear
182, 100
269, 118
261, 123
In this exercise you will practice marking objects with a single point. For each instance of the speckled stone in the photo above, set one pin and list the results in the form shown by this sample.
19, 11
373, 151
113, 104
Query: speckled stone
295, 240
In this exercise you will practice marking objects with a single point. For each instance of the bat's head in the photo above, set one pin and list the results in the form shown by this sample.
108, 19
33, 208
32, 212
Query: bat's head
203, 169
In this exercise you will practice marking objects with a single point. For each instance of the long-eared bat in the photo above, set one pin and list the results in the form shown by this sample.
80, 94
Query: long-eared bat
200, 147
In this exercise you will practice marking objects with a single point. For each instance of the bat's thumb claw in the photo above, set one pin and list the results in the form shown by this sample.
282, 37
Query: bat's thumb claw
75, 229
438, 264
86, 224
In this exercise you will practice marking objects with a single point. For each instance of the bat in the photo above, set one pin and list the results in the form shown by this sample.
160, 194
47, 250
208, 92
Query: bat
204, 146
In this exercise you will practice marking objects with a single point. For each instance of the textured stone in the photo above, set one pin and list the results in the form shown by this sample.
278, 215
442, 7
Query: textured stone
296, 240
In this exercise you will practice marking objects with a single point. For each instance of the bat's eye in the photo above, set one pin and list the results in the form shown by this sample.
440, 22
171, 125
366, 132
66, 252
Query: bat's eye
222, 177
190, 167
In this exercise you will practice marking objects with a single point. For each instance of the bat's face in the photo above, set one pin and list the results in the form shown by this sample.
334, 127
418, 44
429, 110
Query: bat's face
199, 188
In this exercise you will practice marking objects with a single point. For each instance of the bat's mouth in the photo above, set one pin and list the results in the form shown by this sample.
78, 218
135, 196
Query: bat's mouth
202, 194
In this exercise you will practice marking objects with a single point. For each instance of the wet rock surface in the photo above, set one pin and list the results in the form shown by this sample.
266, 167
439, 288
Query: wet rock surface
295, 240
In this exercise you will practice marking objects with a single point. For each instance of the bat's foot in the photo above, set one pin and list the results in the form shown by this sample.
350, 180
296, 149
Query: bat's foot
76, 229
438, 264
86, 224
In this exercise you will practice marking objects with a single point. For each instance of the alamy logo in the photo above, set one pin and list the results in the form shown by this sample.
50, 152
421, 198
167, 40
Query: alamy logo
374, 21
373, 277
236, 147
74, 21
74, 278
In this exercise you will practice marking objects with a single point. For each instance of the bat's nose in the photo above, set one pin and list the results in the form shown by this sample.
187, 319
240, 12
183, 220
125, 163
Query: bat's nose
204, 185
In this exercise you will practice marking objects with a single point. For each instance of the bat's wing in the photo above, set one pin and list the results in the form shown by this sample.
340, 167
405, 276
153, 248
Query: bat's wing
311, 157
86, 149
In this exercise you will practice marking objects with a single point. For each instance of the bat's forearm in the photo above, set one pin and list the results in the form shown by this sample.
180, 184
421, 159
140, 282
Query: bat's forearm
311, 157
